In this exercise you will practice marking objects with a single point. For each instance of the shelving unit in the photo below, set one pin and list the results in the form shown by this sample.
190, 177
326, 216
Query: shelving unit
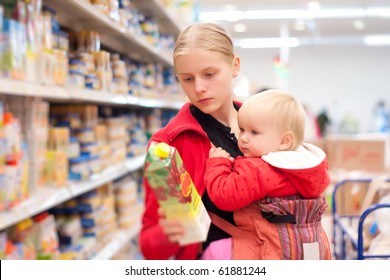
348, 228
119, 239
46, 198
63, 94
32, 89
79, 15
166, 20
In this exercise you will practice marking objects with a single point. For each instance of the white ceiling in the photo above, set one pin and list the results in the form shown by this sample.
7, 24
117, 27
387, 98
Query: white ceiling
325, 31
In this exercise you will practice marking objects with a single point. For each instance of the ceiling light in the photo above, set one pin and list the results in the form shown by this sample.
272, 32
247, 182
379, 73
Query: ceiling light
377, 40
296, 14
313, 5
359, 25
299, 24
337, 13
289, 42
383, 12
229, 8
273, 14
224, 16
249, 43
240, 27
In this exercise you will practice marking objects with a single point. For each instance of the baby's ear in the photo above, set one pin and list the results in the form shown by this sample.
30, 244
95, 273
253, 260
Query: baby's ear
287, 141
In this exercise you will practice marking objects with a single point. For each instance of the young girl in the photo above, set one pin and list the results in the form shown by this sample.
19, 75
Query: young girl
205, 66
267, 184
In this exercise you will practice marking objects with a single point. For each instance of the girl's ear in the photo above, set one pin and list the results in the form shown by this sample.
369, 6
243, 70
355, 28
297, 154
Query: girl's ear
236, 66
287, 141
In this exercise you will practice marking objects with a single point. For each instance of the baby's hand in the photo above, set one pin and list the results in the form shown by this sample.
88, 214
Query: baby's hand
219, 152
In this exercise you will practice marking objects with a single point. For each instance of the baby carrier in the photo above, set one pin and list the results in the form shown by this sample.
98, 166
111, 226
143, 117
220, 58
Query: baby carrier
287, 228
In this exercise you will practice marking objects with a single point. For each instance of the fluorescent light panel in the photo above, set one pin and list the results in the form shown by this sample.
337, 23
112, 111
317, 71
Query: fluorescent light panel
296, 14
291, 42
377, 40
253, 43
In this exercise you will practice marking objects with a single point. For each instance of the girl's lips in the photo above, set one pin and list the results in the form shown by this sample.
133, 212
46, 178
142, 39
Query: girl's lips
204, 100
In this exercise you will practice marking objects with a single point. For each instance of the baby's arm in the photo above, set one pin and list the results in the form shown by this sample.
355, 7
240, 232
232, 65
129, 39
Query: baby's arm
219, 152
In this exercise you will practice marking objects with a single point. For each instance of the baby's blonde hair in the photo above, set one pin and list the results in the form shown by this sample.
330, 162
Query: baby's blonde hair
204, 36
282, 109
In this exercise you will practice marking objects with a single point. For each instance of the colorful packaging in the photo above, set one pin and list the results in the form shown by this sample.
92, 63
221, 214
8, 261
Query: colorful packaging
175, 191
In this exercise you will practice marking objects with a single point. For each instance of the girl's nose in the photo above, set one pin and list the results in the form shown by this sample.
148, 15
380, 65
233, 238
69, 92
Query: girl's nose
199, 86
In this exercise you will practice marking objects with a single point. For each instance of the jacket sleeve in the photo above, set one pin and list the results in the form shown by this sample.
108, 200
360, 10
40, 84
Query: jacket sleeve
234, 187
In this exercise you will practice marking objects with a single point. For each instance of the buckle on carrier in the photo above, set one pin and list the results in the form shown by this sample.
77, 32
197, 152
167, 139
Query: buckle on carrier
278, 219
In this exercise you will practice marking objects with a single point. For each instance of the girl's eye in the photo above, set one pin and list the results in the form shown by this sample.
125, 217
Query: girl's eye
186, 79
254, 132
209, 75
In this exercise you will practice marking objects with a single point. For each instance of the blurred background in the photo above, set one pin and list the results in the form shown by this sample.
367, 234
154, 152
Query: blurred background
332, 54
85, 83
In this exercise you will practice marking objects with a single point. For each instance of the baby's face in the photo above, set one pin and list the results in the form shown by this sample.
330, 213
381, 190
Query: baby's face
258, 135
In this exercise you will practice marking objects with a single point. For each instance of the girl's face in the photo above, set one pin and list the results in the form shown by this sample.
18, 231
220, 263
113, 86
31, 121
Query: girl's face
207, 79
257, 136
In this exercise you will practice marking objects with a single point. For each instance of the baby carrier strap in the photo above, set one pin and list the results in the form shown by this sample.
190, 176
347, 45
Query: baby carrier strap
223, 224
292, 209
303, 237
297, 234
247, 237
278, 219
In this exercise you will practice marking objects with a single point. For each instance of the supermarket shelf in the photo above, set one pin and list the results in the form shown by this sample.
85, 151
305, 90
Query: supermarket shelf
69, 94
119, 239
78, 94
46, 197
41, 200
108, 175
165, 19
80, 15
33, 89
153, 103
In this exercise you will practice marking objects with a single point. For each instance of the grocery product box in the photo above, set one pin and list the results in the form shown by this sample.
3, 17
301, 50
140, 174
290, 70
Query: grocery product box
175, 191
369, 152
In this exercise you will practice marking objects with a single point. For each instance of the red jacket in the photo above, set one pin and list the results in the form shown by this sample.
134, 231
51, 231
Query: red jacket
234, 185
192, 143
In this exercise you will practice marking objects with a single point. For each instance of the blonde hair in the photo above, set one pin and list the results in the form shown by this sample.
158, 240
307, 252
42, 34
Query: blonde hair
204, 36
282, 108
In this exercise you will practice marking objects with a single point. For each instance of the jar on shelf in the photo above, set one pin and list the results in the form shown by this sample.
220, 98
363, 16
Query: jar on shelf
78, 168
76, 79
73, 148
78, 65
87, 41
92, 82
89, 148
87, 59
86, 135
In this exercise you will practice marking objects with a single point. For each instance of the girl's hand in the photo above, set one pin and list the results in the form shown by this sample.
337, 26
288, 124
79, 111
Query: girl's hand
219, 152
172, 228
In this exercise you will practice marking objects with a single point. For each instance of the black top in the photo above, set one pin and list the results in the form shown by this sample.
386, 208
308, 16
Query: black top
220, 135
